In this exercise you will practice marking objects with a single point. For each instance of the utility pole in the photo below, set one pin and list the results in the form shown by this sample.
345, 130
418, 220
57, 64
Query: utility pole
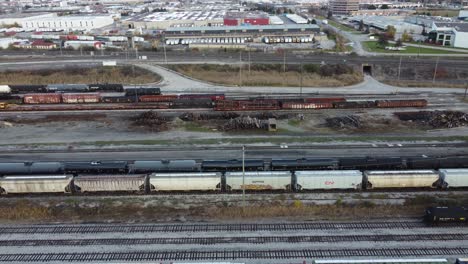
284, 61
164, 48
466, 90
249, 61
136, 53
302, 73
81, 51
399, 69
243, 176
240, 68
435, 70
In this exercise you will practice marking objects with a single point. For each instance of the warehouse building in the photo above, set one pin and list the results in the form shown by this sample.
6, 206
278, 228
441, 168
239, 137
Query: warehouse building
68, 23
343, 7
246, 18
164, 20
451, 34
382, 23
20, 18
239, 35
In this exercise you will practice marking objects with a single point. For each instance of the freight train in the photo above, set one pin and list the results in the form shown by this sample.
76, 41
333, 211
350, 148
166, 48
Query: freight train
437, 215
231, 181
149, 166
52, 88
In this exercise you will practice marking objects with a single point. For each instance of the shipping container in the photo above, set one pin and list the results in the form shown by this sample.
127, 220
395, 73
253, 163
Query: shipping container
293, 105
36, 184
67, 88
259, 180
45, 98
142, 166
401, 179
330, 179
454, 178
142, 91
325, 99
188, 181
109, 183
18, 168
158, 98
401, 103
238, 105
119, 99
192, 103
5, 89
26, 88
81, 98
213, 97
356, 104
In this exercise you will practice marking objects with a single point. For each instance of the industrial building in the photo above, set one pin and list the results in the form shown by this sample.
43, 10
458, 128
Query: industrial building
68, 23
343, 7
20, 18
246, 18
238, 35
382, 23
164, 20
451, 34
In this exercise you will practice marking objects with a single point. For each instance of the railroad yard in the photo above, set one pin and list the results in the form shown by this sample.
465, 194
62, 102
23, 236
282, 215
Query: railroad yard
156, 173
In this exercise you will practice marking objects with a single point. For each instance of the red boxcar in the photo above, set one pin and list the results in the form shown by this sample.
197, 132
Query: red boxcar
325, 100
213, 97
158, 98
45, 98
297, 105
238, 105
81, 98
401, 103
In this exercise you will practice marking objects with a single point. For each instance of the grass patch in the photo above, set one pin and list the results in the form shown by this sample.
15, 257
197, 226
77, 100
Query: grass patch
294, 122
342, 27
272, 75
120, 74
373, 46
195, 127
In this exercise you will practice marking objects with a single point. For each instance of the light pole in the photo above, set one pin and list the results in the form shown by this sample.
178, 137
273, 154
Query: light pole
243, 176
164, 48
302, 73
435, 70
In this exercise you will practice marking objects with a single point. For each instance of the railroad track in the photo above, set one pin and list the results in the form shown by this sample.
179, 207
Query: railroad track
231, 240
232, 254
173, 228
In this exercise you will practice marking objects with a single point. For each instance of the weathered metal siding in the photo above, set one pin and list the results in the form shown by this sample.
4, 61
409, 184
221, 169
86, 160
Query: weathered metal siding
401, 179
185, 181
36, 184
259, 180
343, 179
455, 177
46, 98
103, 183
76, 98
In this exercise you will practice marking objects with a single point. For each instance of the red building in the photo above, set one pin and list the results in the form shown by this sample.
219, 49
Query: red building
246, 18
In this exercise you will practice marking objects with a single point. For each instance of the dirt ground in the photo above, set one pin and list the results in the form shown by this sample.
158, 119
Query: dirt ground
273, 75
222, 208
95, 128
120, 74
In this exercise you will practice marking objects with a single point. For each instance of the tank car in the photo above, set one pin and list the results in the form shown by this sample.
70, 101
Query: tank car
144, 166
436, 215
372, 163
77, 167
142, 91
18, 168
232, 165
304, 164
67, 88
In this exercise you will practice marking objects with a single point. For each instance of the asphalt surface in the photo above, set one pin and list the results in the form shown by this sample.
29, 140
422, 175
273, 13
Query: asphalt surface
233, 152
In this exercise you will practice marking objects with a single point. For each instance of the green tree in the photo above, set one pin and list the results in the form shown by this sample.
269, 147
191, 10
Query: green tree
361, 25
330, 14
371, 7
391, 31
423, 32
313, 21
398, 43
384, 6
383, 40
406, 37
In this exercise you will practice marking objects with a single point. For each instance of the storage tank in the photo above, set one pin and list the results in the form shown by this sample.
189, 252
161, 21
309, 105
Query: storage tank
259, 180
328, 179
401, 179
5, 89
36, 184
189, 181
104, 183
454, 177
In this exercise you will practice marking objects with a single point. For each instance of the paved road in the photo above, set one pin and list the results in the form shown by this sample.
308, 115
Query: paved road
252, 152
